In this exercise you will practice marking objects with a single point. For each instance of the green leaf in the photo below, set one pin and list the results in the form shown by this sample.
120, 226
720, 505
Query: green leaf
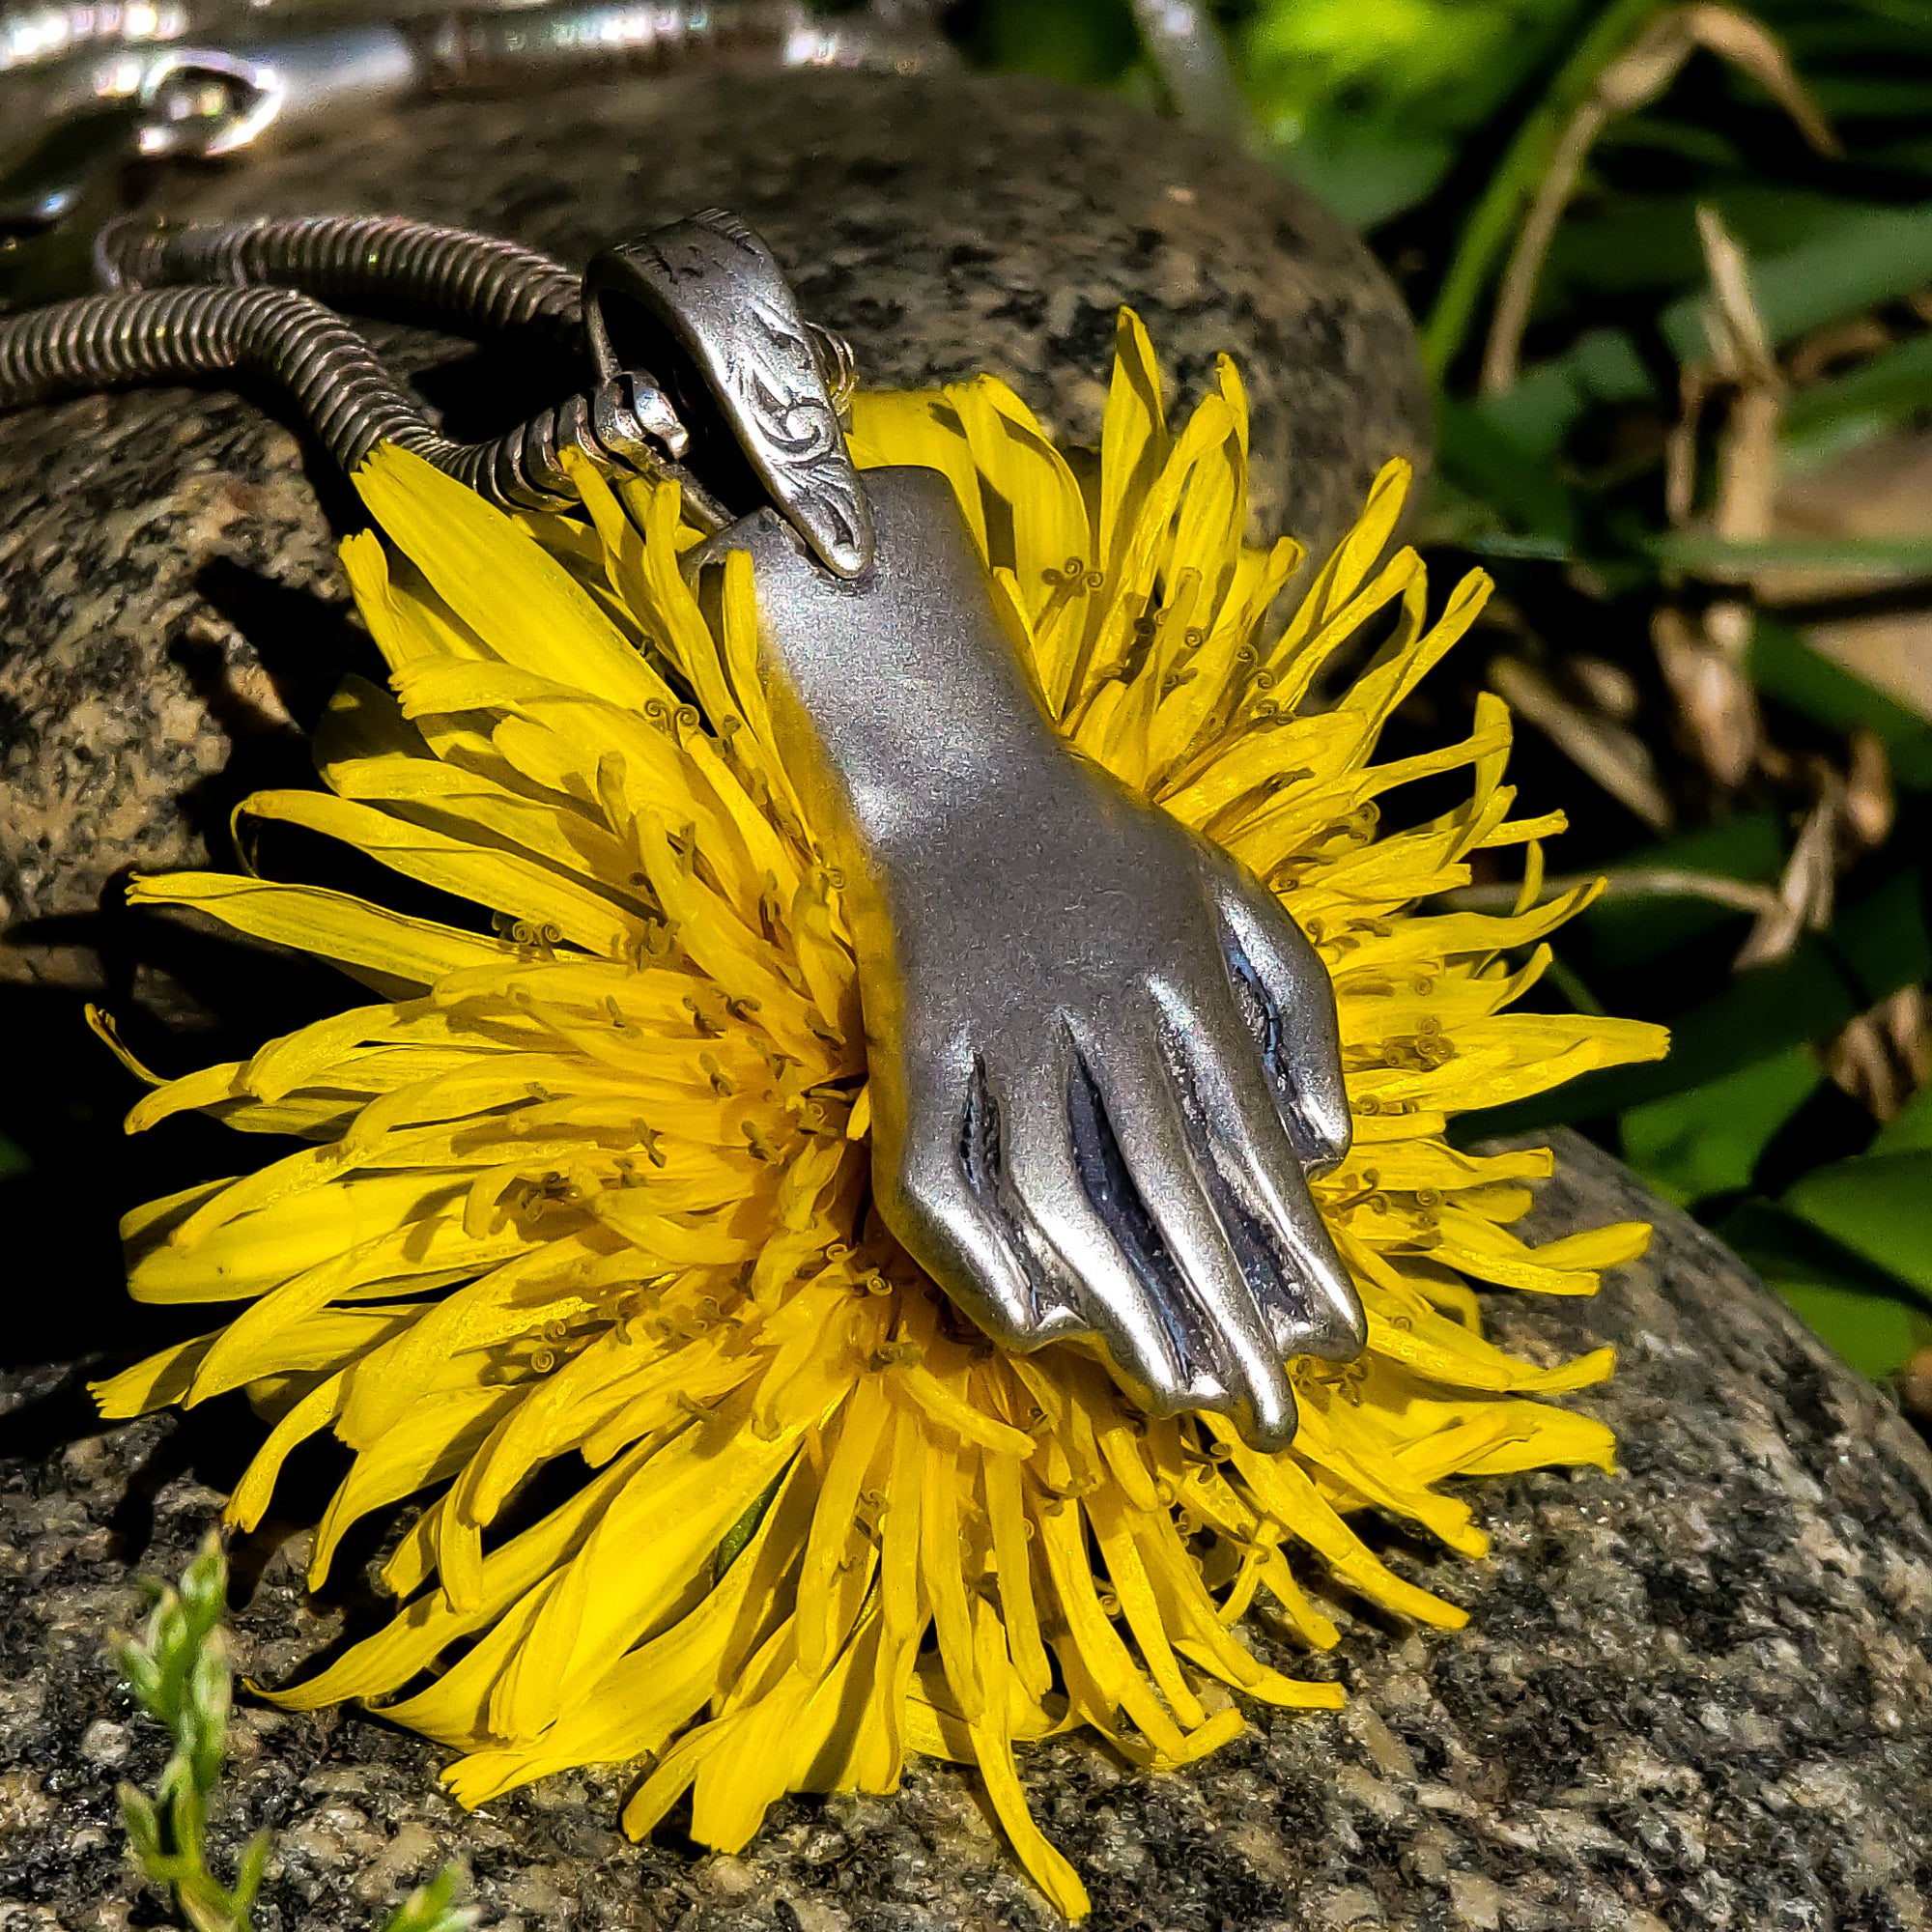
143, 1823
1875, 1333
1086, 42
1843, 257
1862, 256
1878, 1206
1730, 562
210, 1691
1708, 1140
428, 1909
1872, 97
1782, 666
204, 1587
1909, 1131
1875, 947
1885, 941
248, 1877
142, 1675
1490, 226
1601, 367
1775, 1242
1364, 174
1481, 455
1804, 997
741, 1532
1895, 382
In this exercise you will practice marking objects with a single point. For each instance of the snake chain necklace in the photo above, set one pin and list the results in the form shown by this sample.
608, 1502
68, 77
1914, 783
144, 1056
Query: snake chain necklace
1096, 1110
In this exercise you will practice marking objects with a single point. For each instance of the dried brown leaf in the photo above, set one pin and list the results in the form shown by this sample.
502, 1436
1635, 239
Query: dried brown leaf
1609, 686
1870, 807
1860, 1065
1704, 672
1808, 886
1637, 76
1820, 352
1750, 46
1617, 758
1884, 1057
1740, 349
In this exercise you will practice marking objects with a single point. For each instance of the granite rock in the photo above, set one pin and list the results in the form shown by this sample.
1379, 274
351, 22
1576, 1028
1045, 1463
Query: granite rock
170, 609
1697, 1693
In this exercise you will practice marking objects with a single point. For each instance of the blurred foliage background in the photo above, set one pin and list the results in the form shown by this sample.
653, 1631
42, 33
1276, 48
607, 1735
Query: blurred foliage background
1673, 269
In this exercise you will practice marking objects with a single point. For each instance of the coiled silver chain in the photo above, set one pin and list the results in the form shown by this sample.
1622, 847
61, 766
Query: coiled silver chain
247, 295
472, 284
192, 301
250, 303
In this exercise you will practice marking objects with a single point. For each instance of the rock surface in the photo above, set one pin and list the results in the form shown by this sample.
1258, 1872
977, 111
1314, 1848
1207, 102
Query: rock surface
170, 609
1694, 1694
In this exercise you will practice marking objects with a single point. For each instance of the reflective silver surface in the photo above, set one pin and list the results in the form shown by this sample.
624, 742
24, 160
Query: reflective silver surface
1103, 1060
711, 286
88, 90
338, 387
200, 297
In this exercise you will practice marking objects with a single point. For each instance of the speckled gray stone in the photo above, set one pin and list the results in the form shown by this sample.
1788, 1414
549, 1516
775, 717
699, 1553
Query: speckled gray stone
1694, 1694
169, 606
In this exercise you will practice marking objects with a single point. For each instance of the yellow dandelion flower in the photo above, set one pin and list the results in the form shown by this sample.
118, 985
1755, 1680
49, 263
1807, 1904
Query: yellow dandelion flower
586, 1189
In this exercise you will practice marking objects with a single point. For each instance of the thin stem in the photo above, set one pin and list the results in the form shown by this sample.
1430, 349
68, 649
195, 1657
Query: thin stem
1187, 52
1539, 230
1631, 882
1486, 234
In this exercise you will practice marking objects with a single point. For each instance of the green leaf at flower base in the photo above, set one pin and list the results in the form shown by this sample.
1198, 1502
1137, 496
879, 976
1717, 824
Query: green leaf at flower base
1877, 1205
1875, 1333
1708, 1140
1856, 1310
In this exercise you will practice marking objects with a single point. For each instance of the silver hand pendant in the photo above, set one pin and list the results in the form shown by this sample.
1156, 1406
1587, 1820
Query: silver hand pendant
1104, 1062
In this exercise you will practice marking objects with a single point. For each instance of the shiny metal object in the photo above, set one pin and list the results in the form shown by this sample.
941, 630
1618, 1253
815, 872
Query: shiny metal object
335, 380
209, 102
722, 307
1104, 1062
35, 36
267, 323
476, 285
56, 61
90, 93
451, 277
1186, 46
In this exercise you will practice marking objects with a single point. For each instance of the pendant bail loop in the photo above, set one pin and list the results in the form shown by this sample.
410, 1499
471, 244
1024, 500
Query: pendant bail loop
705, 299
